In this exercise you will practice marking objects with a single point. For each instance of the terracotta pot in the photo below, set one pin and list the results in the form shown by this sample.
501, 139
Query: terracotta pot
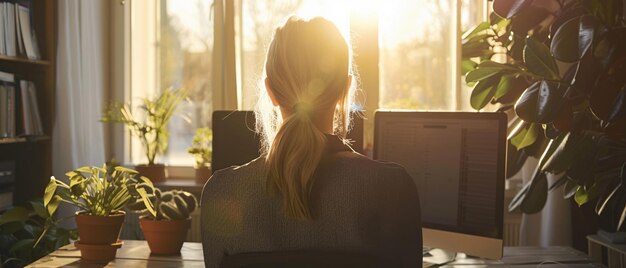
156, 172
165, 237
203, 174
99, 230
98, 253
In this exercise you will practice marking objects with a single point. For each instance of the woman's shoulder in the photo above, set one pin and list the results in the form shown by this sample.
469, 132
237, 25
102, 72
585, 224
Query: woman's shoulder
358, 161
235, 174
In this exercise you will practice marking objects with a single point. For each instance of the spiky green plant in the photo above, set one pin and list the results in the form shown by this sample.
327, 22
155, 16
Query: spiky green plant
169, 205
201, 147
152, 128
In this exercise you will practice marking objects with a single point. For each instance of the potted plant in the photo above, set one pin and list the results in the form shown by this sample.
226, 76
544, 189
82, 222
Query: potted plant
201, 149
166, 229
563, 81
100, 193
19, 229
150, 129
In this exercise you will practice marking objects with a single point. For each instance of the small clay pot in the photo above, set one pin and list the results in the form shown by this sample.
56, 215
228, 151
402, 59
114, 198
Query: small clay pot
203, 174
156, 172
99, 230
98, 253
165, 237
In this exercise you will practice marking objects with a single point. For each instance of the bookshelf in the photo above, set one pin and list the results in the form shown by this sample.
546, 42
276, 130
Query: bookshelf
33, 155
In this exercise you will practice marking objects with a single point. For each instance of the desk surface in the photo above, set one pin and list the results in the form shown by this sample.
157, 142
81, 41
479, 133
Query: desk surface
137, 254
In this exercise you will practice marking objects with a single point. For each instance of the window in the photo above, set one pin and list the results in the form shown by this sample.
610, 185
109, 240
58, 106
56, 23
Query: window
172, 47
193, 44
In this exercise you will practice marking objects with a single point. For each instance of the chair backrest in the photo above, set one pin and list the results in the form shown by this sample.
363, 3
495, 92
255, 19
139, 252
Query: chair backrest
306, 258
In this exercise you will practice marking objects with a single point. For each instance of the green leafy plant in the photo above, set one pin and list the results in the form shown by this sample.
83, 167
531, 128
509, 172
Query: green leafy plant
19, 229
201, 147
98, 191
562, 75
151, 129
169, 205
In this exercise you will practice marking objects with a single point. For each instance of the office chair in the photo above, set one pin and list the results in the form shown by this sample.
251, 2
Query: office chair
306, 259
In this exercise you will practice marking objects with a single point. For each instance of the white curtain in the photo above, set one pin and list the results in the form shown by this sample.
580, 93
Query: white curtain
552, 226
78, 136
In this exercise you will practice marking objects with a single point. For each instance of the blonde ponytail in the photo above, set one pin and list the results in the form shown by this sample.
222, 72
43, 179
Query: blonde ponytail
308, 69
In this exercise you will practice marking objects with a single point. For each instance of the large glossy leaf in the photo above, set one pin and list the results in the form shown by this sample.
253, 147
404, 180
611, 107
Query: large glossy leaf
536, 196
480, 74
539, 60
483, 92
541, 102
532, 197
564, 45
586, 34
610, 46
574, 38
572, 10
528, 19
569, 189
509, 8
524, 135
515, 160
618, 110
605, 100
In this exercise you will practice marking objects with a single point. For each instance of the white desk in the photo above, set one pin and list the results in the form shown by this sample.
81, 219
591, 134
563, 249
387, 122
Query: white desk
137, 254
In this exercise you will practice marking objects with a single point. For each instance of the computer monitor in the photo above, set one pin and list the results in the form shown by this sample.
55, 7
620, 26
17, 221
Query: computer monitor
235, 141
457, 161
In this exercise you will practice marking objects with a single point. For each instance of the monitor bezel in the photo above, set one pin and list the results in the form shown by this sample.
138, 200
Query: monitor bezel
491, 246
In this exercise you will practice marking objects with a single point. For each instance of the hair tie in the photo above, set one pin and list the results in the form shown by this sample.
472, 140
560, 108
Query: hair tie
302, 108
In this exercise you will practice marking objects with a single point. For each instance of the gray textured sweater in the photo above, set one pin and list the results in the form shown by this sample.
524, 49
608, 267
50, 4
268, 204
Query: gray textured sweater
358, 204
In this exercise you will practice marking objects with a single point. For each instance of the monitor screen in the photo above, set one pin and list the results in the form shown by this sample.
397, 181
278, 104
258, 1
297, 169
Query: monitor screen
457, 161
235, 141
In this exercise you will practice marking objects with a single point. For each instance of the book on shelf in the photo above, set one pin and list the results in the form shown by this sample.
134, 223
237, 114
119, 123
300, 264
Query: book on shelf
18, 35
19, 109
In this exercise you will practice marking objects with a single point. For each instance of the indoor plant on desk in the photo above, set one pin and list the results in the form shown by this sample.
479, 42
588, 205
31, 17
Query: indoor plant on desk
201, 151
151, 130
166, 229
101, 193
563, 80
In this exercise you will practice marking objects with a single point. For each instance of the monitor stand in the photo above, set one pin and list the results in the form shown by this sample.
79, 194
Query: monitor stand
437, 257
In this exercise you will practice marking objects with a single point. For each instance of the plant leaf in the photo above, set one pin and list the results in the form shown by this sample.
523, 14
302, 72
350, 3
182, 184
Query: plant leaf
526, 136
39, 209
537, 194
583, 195
564, 45
16, 214
618, 111
528, 19
539, 60
483, 92
467, 65
541, 102
509, 8
569, 189
479, 28
504, 86
53, 205
49, 192
480, 74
